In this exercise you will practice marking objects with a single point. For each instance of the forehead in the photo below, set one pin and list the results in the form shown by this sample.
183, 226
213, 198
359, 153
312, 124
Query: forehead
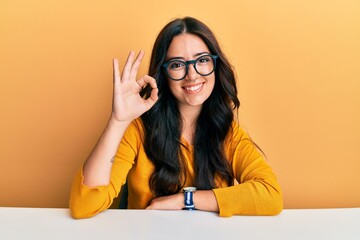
186, 45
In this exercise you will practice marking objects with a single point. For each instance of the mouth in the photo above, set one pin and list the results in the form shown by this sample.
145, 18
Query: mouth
194, 88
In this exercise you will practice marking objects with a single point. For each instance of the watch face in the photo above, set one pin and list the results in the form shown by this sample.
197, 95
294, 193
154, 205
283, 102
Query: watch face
189, 189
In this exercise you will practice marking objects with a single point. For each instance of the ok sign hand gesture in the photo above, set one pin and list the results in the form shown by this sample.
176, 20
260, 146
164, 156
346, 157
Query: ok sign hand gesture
127, 102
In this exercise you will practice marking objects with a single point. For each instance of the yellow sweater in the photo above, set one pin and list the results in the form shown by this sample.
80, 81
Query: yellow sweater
258, 192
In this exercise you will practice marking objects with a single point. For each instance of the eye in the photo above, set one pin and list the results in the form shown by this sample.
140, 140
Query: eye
176, 65
204, 59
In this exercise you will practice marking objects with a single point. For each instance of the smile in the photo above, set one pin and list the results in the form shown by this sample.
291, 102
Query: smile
194, 89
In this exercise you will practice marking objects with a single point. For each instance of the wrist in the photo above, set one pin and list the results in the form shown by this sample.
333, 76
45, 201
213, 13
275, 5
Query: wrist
113, 121
189, 198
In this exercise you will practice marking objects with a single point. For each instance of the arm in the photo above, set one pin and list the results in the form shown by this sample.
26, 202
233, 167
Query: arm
91, 182
203, 199
257, 194
258, 191
127, 105
87, 201
97, 168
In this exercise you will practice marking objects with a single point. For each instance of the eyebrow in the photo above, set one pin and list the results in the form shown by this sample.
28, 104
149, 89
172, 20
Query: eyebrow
197, 54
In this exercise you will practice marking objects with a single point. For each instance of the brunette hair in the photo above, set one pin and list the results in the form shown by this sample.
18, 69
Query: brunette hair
163, 123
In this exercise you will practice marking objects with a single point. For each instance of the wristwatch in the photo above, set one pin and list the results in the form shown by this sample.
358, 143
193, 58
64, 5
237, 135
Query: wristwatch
188, 198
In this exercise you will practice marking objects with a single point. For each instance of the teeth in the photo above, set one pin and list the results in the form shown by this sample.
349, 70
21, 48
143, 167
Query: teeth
193, 88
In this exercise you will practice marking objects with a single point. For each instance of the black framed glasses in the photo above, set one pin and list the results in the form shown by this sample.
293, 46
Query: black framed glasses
177, 69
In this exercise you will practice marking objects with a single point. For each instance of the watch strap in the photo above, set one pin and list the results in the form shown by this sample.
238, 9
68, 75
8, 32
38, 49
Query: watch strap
189, 198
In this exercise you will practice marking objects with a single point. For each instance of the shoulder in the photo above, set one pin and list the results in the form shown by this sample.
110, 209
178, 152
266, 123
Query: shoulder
238, 139
237, 133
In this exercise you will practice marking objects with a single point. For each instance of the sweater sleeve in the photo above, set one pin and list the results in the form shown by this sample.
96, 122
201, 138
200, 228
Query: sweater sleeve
258, 192
87, 201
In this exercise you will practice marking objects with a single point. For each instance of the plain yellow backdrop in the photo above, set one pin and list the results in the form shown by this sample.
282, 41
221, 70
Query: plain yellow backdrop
297, 64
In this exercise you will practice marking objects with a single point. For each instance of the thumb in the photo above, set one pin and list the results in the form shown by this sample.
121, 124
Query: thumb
152, 99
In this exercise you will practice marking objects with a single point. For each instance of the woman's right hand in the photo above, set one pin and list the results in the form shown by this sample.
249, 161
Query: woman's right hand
127, 102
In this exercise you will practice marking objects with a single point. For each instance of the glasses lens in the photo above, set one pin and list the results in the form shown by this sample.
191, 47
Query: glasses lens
204, 65
176, 69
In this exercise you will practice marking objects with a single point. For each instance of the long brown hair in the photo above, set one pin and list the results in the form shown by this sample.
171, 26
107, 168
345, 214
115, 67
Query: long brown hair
163, 122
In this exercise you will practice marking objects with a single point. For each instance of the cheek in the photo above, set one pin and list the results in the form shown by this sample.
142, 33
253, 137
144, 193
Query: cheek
173, 86
211, 82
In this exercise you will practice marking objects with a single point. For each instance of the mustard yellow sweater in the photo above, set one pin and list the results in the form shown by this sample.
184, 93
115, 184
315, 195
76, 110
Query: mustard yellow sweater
258, 192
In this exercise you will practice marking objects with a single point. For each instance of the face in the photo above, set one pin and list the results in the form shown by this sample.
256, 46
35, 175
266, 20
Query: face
194, 89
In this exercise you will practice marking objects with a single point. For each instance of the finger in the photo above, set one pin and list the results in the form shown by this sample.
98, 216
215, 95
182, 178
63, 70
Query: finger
116, 73
153, 98
135, 66
150, 207
127, 67
145, 80
154, 92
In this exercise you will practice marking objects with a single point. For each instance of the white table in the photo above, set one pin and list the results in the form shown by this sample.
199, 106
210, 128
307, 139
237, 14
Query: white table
47, 223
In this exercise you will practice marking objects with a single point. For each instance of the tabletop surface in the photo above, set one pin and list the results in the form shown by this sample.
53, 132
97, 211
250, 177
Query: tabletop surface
53, 223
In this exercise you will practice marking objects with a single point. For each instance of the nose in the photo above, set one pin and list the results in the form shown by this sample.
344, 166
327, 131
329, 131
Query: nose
191, 74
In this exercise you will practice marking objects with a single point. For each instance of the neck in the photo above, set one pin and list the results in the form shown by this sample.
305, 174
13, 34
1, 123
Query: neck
189, 116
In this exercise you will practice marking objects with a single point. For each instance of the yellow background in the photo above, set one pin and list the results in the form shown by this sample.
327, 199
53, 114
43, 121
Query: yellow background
298, 70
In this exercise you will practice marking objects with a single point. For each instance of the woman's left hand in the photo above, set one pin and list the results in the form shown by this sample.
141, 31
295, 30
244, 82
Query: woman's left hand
172, 202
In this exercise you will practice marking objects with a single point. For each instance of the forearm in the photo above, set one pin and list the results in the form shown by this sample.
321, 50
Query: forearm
203, 199
87, 201
97, 167
250, 198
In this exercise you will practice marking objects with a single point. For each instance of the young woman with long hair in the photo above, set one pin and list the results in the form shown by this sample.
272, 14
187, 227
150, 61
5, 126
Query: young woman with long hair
173, 137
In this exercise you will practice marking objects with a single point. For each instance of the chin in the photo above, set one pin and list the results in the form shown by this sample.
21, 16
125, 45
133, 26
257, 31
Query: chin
195, 103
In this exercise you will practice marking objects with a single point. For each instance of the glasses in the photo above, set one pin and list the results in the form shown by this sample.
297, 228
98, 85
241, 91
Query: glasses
177, 69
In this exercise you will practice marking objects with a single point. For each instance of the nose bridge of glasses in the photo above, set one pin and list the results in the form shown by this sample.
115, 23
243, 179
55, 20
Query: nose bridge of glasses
188, 64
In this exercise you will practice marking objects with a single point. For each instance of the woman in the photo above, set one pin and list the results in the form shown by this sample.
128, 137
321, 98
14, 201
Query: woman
175, 129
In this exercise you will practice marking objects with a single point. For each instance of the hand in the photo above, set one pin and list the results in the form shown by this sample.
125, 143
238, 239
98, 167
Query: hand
172, 202
127, 102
